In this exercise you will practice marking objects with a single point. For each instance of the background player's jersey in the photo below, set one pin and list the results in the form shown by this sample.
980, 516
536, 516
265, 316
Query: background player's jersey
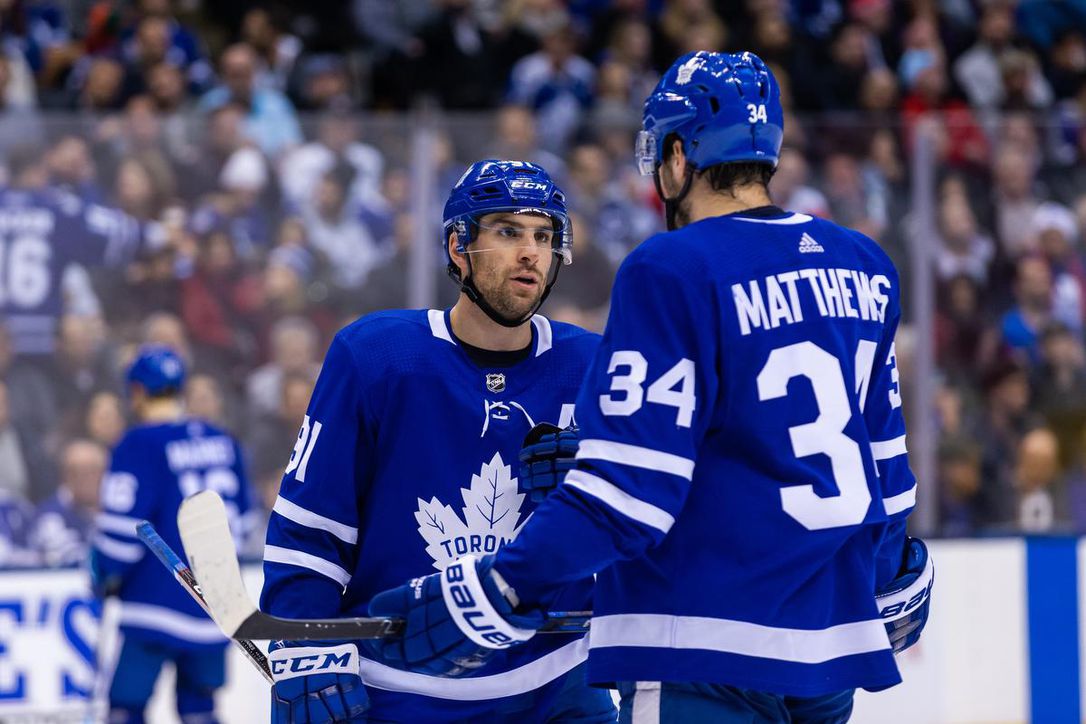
406, 461
153, 468
742, 462
41, 233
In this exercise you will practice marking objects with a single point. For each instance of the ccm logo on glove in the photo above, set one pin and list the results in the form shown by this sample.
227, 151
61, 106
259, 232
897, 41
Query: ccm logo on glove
292, 662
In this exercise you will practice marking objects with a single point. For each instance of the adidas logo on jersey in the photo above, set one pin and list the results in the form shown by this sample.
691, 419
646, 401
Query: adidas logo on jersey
808, 245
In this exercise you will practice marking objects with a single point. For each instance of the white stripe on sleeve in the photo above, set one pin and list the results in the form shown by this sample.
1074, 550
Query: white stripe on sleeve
291, 557
637, 456
124, 552
620, 500
900, 502
309, 519
116, 524
886, 449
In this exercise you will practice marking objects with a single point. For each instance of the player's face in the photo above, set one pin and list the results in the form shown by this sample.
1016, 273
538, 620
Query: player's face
511, 261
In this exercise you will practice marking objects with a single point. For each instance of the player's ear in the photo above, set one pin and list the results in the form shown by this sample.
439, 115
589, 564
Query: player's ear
677, 158
458, 258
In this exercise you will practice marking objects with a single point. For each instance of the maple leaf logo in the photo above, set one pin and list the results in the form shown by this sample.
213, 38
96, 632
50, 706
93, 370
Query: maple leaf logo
491, 514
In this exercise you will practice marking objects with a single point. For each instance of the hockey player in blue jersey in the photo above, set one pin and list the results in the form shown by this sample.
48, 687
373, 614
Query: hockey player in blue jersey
42, 231
741, 482
406, 461
159, 462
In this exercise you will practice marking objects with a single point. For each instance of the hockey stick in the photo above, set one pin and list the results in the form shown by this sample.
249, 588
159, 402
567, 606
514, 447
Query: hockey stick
183, 575
209, 546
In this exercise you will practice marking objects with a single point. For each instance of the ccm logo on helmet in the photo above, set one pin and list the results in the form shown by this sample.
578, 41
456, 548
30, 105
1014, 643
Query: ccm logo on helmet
473, 614
529, 185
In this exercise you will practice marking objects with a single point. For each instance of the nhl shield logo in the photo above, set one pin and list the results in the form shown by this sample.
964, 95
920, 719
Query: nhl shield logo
495, 382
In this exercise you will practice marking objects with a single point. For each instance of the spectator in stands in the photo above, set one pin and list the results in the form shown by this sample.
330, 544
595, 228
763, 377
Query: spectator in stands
264, 30
1007, 417
64, 522
15, 472
185, 48
82, 365
1067, 63
461, 61
965, 340
557, 84
271, 436
104, 421
295, 350
959, 483
219, 305
516, 137
72, 169
1039, 508
243, 206
352, 237
167, 329
1022, 325
338, 147
270, 120
1056, 232
1059, 388
963, 248
98, 85
19, 119
204, 400
982, 70
610, 215
1014, 199
789, 186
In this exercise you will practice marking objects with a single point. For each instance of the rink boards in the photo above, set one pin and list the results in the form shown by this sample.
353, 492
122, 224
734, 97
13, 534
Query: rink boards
1005, 643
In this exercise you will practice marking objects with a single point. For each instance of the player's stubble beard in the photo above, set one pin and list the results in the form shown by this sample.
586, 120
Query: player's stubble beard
494, 282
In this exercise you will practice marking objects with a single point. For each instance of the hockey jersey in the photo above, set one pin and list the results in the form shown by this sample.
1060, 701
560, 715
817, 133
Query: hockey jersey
41, 233
153, 468
406, 461
742, 477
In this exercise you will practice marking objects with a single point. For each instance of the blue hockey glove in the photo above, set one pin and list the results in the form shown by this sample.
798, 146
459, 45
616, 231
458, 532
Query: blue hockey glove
548, 453
315, 684
103, 584
456, 619
904, 602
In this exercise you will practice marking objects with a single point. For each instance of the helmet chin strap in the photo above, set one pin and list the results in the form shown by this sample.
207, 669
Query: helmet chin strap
671, 205
468, 288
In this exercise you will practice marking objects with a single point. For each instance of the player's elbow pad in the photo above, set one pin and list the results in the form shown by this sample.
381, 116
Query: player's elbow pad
904, 602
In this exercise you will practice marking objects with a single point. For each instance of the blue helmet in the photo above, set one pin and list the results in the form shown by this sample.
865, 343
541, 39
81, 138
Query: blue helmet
158, 369
724, 107
492, 186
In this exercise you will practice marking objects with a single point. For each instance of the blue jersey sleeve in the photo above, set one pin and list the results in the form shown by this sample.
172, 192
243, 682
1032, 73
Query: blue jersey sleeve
886, 429
641, 424
127, 496
313, 531
98, 235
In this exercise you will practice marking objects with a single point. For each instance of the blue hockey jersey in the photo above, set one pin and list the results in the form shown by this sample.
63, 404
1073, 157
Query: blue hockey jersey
41, 233
153, 468
742, 480
407, 460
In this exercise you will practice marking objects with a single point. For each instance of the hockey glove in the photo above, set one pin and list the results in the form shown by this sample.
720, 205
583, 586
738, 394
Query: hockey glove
456, 619
904, 602
548, 453
315, 684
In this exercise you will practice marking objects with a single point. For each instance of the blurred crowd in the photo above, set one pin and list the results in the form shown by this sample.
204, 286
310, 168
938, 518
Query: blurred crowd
276, 147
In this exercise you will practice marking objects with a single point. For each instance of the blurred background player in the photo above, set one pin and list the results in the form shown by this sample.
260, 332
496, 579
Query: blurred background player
403, 463
163, 459
742, 481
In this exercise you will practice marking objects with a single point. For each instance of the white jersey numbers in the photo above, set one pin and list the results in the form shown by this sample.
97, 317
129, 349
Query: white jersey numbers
826, 435
303, 448
674, 388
